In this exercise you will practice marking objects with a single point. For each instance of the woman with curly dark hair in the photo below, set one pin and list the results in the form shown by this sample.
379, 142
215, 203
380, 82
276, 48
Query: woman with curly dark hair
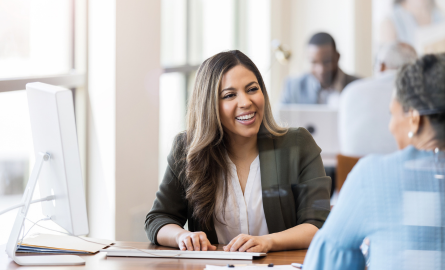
395, 203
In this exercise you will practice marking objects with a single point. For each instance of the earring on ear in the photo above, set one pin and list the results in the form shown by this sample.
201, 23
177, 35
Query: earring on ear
410, 134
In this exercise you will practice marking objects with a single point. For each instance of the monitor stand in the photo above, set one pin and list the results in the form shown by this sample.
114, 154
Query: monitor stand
11, 246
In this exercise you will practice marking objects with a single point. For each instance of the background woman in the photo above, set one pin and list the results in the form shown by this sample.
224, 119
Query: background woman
236, 176
407, 17
396, 201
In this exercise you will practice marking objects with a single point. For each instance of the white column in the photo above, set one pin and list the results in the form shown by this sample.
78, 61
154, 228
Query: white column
363, 38
281, 26
138, 69
124, 69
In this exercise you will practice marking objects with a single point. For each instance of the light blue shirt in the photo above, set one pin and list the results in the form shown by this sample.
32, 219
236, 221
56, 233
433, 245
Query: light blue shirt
302, 90
306, 89
397, 201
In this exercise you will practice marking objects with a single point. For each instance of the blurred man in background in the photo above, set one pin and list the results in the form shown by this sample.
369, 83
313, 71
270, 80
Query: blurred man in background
364, 105
325, 81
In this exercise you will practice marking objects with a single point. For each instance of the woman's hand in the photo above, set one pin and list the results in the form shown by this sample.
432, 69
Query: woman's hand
194, 241
248, 243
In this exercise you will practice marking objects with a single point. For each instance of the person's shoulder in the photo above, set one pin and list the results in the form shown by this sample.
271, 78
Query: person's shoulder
300, 79
180, 141
357, 95
382, 162
350, 78
359, 82
299, 132
299, 137
178, 151
358, 85
293, 133
398, 10
438, 15
359, 90
379, 172
295, 86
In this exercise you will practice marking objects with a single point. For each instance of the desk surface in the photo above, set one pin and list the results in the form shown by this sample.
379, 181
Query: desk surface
100, 261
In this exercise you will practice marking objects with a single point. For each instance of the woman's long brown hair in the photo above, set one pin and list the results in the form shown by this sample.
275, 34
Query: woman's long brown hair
206, 164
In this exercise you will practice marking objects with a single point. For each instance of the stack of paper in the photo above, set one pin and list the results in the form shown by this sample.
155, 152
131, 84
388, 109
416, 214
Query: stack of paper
48, 243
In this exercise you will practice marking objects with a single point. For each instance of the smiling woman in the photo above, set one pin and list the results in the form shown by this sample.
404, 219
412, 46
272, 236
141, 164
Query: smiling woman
241, 102
237, 177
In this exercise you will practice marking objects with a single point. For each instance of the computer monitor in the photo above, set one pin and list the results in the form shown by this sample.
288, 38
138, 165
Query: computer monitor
57, 170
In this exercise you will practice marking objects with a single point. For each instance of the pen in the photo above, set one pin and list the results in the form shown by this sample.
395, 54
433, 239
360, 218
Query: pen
243, 265
297, 265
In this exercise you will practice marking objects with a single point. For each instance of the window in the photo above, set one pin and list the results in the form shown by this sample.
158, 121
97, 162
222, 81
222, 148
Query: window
35, 37
192, 31
37, 40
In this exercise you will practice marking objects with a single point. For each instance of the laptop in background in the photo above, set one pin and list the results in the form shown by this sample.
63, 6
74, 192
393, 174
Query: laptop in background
319, 120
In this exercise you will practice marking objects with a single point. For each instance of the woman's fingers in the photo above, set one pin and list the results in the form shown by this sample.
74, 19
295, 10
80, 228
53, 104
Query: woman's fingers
229, 245
239, 242
182, 246
195, 241
249, 244
254, 249
204, 241
198, 241
188, 243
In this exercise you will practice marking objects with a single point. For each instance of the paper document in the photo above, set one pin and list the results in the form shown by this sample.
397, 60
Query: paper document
252, 267
24, 249
49, 243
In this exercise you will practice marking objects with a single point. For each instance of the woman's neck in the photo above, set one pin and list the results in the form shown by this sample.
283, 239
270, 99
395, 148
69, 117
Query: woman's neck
429, 145
427, 139
242, 148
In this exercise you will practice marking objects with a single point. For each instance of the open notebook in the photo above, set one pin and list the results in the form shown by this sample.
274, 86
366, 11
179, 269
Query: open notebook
48, 243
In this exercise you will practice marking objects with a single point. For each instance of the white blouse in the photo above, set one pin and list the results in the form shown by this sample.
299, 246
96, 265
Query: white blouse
244, 214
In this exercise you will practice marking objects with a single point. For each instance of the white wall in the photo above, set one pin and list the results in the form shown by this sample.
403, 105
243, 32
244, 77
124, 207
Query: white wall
123, 93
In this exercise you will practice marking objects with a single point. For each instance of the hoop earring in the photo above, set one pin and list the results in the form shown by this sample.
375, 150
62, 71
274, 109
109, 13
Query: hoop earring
410, 134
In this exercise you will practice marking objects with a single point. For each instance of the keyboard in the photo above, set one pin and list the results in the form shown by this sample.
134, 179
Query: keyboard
150, 253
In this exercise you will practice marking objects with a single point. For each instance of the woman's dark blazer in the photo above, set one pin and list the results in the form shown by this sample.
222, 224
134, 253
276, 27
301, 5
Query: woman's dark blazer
295, 186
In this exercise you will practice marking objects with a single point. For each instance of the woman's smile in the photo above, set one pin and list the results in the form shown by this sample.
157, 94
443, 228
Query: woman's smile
247, 118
